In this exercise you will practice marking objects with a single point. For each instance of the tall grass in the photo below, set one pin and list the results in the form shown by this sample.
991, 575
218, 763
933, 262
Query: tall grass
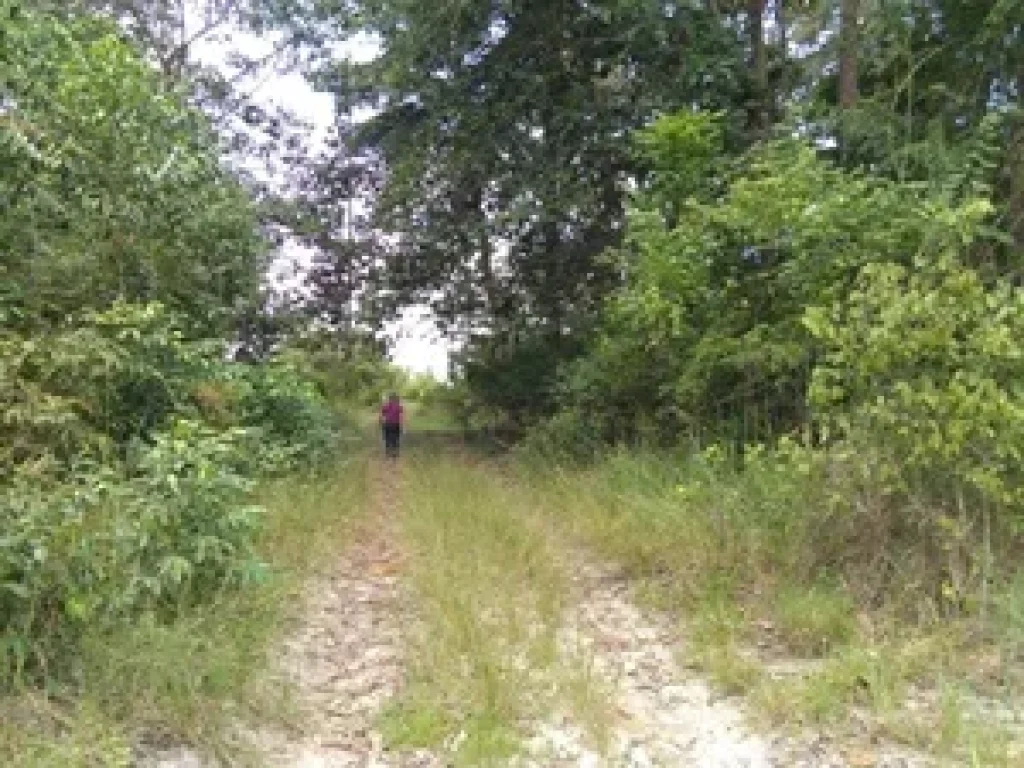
489, 592
196, 680
772, 564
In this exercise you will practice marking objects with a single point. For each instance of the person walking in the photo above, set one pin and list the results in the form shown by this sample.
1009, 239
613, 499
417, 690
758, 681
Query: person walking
391, 418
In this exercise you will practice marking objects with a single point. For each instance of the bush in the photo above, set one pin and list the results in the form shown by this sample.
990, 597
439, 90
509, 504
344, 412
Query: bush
925, 364
104, 546
569, 435
92, 384
130, 459
814, 621
297, 423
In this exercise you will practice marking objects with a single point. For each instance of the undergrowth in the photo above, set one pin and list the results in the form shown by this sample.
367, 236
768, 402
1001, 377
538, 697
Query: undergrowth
197, 679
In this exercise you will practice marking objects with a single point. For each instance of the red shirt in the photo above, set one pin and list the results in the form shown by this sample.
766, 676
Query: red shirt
391, 413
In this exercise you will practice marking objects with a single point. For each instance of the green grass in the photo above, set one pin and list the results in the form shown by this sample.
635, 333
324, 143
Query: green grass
191, 681
730, 671
484, 660
857, 677
814, 620
761, 573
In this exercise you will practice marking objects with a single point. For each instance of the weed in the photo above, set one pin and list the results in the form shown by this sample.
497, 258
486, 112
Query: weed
588, 696
729, 670
415, 721
813, 621
35, 733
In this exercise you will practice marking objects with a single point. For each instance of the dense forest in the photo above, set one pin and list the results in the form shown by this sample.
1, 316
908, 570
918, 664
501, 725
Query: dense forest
765, 257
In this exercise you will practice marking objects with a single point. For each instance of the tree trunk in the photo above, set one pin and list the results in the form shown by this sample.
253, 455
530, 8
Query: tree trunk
783, 29
781, 24
1016, 167
758, 67
1016, 202
849, 40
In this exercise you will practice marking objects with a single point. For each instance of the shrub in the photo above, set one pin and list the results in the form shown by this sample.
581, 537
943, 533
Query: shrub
569, 435
105, 545
130, 458
94, 383
921, 380
289, 409
814, 621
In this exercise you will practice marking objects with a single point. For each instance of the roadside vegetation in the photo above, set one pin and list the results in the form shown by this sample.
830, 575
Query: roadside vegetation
203, 677
794, 601
159, 502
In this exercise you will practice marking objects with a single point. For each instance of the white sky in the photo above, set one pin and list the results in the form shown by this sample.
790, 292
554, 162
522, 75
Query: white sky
415, 343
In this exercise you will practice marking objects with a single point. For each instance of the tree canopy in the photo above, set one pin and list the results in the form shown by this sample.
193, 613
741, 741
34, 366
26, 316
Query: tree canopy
521, 156
114, 188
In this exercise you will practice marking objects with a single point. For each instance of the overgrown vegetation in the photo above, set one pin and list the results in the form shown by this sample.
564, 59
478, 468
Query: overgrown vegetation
797, 597
824, 337
861, 324
131, 685
134, 454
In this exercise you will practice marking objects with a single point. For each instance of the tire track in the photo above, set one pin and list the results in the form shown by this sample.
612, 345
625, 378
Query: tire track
345, 659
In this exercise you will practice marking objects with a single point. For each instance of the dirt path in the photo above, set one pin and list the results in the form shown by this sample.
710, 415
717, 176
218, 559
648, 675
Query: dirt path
344, 663
345, 659
664, 716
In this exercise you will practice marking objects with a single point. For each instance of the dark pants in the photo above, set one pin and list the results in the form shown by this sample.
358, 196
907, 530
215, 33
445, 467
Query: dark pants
392, 436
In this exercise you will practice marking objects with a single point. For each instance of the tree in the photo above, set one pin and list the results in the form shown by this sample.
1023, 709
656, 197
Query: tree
501, 127
848, 53
760, 98
113, 187
168, 30
724, 259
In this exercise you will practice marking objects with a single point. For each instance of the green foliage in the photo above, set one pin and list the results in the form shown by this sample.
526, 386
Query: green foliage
748, 280
723, 259
926, 362
282, 401
515, 379
127, 474
130, 447
354, 373
93, 382
504, 123
814, 621
113, 187
101, 546
130, 682
570, 435
125, 246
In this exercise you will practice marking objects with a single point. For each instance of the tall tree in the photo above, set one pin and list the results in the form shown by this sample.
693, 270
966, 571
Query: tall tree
848, 53
501, 128
113, 186
760, 98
